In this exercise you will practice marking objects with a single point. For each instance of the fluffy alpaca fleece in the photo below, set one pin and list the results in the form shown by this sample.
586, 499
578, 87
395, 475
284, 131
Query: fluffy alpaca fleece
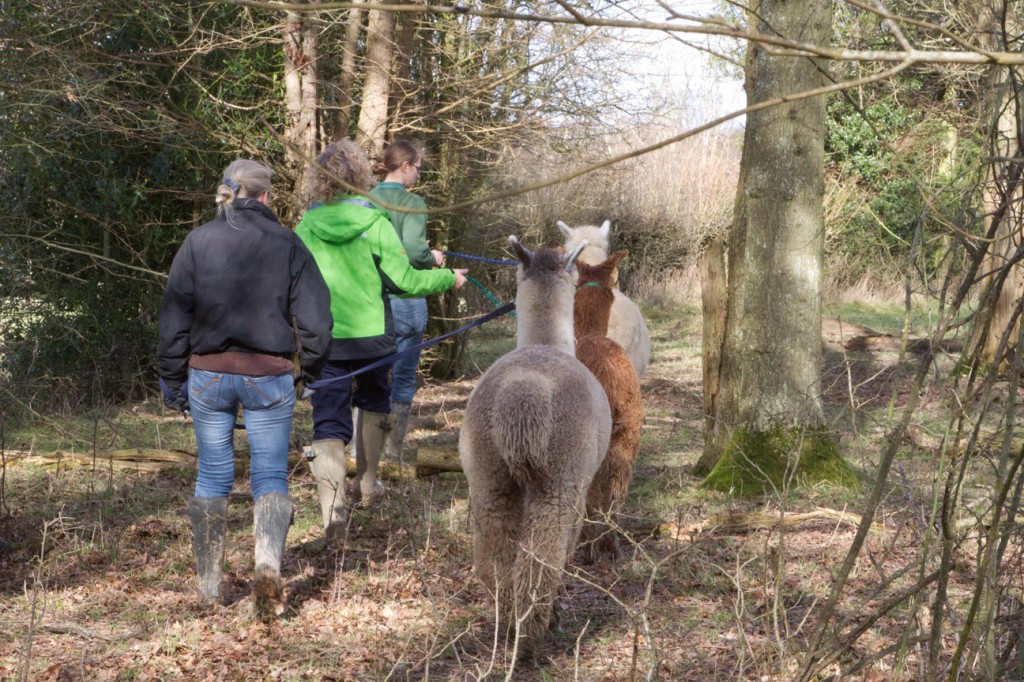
610, 364
535, 431
626, 325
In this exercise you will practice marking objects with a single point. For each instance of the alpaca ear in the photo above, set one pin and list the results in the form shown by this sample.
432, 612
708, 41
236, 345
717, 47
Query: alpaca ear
605, 230
571, 258
522, 253
617, 257
564, 229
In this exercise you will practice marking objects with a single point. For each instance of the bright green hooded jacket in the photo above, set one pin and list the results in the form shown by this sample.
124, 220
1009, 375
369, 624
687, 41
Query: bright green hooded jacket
362, 260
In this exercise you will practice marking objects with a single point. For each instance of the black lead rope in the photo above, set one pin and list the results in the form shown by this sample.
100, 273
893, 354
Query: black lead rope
391, 359
483, 319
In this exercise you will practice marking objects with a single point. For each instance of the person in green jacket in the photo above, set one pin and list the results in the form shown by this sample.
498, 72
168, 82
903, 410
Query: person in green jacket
400, 167
363, 261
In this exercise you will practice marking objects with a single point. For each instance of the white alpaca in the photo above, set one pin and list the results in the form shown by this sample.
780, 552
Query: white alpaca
626, 325
535, 431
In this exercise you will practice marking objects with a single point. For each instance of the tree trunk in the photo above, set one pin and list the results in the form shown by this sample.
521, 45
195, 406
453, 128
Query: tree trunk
769, 406
300, 81
448, 232
402, 109
373, 115
714, 298
1001, 197
347, 78
996, 335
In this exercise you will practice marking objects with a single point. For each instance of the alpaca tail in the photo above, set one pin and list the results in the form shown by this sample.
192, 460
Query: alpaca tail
522, 428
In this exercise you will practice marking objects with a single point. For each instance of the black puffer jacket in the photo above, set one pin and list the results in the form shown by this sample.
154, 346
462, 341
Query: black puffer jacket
234, 285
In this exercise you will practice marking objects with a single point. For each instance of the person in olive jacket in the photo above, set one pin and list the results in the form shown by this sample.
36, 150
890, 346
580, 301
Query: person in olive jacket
235, 288
400, 167
363, 261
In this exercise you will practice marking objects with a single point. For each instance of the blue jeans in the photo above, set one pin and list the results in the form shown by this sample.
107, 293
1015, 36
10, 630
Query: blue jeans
410, 316
268, 403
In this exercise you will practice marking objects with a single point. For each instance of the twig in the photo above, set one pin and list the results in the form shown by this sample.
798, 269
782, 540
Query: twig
3, 467
64, 628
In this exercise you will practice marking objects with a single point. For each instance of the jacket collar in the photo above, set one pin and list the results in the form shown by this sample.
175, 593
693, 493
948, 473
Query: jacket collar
247, 204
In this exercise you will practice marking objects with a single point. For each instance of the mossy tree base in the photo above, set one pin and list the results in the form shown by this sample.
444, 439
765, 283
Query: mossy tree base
756, 462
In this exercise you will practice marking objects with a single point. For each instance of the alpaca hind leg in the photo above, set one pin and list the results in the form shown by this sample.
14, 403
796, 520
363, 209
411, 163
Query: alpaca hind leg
621, 456
497, 513
599, 503
551, 524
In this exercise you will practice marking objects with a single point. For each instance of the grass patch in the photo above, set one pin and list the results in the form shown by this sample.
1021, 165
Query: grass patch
885, 318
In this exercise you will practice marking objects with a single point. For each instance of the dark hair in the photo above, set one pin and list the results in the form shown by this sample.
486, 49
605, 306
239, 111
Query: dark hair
395, 154
342, 168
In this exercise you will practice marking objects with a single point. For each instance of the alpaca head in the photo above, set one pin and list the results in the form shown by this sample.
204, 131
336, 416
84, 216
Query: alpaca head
546, 263
545, 287
597, 238
594, 296
605, 273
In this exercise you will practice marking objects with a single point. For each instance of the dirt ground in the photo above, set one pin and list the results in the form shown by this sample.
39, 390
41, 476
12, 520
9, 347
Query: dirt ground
97, 577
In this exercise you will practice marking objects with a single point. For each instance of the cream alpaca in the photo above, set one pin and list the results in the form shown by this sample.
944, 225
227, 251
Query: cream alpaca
626, 325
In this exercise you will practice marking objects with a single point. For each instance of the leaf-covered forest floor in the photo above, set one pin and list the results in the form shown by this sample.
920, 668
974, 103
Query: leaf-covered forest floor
97, 576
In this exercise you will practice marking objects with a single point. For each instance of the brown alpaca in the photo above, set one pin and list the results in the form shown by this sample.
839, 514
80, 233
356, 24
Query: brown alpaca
626, 325
535, 431
607, 360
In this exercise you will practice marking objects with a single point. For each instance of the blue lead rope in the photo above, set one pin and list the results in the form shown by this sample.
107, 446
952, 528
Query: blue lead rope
390, 360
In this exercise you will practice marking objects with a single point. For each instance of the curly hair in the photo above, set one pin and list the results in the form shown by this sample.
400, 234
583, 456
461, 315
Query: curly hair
341, 168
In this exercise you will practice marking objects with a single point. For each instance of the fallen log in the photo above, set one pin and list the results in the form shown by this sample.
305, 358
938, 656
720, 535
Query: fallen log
149, 460
429, 461
434, 460
854, 337
741, 522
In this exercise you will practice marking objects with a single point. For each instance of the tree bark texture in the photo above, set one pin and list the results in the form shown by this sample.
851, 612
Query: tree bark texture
1001, 196
402, 109
300, 81
771, 357
714, 303
347, 77
373, 114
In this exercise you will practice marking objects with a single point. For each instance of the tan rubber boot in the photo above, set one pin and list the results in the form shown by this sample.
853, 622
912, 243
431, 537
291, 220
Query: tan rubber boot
209, 538
272, 516
328, 469
356, 450
371, 431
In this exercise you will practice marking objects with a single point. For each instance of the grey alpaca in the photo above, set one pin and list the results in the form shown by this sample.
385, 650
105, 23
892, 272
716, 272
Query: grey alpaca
535, 432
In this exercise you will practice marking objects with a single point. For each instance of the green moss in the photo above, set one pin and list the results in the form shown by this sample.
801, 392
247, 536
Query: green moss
756, 462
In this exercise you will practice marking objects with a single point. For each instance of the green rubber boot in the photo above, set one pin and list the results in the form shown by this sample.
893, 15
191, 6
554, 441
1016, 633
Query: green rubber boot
209, 538
399, 425
272, 516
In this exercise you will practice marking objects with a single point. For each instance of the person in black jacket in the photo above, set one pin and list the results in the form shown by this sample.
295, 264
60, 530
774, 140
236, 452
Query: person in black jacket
227, 338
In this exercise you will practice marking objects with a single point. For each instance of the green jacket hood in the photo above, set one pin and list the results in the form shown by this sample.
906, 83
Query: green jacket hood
340, 222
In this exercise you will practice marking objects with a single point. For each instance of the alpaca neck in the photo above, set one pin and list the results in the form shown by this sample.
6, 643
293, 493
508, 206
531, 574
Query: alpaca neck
545, 318
592, 310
